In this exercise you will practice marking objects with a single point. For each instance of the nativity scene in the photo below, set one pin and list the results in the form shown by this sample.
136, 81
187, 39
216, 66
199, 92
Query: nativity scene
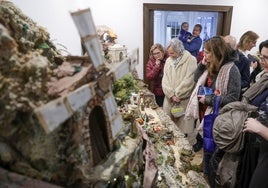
69, 121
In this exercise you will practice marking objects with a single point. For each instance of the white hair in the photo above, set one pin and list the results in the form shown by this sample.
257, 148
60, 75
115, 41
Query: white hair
177, 45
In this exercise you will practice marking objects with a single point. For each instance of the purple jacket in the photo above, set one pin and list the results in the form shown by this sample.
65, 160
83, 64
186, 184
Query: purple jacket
184, 35
193, 46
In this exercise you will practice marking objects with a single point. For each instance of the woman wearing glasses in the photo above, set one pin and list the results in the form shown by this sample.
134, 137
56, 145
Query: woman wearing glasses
154, 71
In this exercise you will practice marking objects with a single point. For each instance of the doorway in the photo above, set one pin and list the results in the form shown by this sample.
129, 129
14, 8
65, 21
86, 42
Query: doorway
223, 22
98, 135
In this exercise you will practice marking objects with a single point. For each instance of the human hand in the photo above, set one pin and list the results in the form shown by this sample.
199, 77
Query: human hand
175, 99
201, 99
252, 125
217, 92
157, 62
204, 61
254, 64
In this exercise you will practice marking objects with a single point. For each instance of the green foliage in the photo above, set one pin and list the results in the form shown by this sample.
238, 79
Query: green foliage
159, 160
43, 45
195, 168
123, 87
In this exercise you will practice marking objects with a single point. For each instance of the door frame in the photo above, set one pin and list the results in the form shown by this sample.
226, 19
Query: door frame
223, 26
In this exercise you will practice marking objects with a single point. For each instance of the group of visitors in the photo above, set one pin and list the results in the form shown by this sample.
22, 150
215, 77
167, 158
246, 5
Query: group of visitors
227, 70
158, 55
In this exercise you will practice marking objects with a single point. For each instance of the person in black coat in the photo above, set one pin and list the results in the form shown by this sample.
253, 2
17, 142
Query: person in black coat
252, 167
255, 66
243, 63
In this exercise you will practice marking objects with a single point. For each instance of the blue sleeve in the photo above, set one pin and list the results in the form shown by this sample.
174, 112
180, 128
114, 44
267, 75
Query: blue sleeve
193, 45
182, 38
184, 35
258, 100
243, 65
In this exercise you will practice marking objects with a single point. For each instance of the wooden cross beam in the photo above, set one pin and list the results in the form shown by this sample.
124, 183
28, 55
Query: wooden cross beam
54, 113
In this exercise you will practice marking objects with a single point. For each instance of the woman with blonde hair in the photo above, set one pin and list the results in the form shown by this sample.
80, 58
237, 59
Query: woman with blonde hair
246, 66
154, 71
247, 41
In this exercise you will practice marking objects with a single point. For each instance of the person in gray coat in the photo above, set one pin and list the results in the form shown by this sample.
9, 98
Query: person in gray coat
218, 72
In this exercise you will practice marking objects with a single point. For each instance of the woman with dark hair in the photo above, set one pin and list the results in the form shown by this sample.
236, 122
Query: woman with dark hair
218, 72
154, 71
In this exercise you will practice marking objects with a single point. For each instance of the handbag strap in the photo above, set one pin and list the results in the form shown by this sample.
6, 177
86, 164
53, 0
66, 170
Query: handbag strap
216, 107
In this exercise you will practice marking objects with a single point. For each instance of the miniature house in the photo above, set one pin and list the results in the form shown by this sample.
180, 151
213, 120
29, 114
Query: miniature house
117, 53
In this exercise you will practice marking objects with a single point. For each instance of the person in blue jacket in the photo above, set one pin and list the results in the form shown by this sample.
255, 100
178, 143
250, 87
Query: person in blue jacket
184, 33
194, 42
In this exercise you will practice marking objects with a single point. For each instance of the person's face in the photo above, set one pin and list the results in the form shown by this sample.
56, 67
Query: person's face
185, 27
172, 53
158, 55
207, 55
196, 31
250, 45
264, 58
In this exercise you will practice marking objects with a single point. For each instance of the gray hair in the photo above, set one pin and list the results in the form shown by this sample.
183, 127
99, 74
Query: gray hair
231, 40
177, 45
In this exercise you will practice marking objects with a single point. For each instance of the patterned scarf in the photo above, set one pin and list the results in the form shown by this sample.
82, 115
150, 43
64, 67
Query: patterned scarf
192, 109
177, 60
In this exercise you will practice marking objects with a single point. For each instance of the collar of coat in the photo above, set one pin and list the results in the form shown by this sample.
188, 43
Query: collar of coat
185, 58
257, 88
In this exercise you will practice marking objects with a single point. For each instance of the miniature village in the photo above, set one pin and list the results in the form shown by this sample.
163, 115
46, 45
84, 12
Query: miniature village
82, 121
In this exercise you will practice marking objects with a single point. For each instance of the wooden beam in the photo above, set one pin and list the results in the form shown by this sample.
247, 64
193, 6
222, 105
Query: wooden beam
54, 113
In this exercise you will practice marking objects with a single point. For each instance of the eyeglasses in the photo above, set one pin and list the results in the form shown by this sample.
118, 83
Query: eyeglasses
157, 53
263, 58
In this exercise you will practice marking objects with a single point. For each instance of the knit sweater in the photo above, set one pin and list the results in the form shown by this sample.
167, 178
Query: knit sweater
233, 87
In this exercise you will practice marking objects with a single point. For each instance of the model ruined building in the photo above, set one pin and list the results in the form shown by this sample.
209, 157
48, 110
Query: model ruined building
59, 122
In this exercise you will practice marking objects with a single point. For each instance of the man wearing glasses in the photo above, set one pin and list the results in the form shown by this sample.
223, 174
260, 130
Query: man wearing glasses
263, 50
253, 171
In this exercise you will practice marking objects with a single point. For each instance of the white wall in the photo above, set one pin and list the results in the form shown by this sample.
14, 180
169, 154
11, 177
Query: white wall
125, 17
